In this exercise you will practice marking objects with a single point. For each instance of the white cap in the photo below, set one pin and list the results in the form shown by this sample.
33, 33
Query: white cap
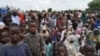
2, 25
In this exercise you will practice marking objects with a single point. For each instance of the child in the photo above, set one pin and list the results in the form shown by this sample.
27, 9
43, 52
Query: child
2, 26
89, 50
5, 37
49, 46
34, 40
61, 50
23, 28
15, 47
55, 45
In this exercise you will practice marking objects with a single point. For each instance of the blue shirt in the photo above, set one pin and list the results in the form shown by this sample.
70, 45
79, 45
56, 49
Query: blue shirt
17, 50
96, 24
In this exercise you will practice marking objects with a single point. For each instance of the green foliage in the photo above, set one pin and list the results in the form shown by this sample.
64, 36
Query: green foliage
94, 5
49, 9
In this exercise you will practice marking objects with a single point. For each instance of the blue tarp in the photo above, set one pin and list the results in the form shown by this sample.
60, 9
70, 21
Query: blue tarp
3, 10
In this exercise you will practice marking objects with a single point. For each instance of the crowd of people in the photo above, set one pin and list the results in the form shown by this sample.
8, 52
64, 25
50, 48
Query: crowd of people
53, 33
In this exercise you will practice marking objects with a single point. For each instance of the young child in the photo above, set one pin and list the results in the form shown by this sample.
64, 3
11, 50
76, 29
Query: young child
89, 50
23, 28
2, 26
5, 37
61, 50
48, 46
55, 45
15, 47
34, 40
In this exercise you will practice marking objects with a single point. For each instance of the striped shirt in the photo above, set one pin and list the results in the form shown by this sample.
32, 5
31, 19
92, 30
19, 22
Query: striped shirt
35, 43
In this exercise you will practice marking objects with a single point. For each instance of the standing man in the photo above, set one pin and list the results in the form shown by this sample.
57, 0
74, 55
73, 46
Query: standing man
15, 18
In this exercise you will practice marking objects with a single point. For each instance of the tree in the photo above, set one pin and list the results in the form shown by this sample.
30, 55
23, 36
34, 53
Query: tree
94, 5
49, 9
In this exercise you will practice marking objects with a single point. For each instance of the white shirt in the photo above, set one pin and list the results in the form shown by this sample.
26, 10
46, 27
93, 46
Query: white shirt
62, 35
15, 19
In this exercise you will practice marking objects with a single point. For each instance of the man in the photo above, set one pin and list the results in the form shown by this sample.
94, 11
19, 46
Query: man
15, 18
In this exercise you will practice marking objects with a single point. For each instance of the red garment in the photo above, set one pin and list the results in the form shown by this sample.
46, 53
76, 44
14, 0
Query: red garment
59, 21
22, 17
54, 32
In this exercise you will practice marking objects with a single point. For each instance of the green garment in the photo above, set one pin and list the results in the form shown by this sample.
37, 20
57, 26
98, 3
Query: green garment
84, 18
